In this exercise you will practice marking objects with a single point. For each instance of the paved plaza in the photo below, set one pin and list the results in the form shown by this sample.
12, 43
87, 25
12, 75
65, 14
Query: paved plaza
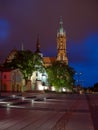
49, 112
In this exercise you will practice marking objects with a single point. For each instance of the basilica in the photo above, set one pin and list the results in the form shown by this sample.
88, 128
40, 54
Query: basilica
13, 79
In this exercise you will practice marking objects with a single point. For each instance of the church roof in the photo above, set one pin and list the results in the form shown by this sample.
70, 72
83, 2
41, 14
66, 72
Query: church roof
11, 55
48, 60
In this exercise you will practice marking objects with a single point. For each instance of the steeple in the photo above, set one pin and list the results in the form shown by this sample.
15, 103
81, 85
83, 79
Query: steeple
61, 29
38, 45
22, 47
61, 44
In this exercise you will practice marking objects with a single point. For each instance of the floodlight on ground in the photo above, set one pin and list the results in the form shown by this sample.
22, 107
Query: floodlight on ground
46, 87
64, 89
53, 88
8, 104
13, 96
44, 98
41, 87
23, 98
32, 101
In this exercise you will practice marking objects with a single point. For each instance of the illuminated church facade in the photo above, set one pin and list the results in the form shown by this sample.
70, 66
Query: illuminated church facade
38, 79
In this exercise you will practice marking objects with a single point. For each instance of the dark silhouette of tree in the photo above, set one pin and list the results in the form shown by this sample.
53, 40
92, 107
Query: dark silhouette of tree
96, 87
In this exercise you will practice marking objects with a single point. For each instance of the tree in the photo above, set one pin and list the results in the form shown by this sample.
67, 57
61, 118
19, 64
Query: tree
95, 87
38, 63
24, 61
27, 62
60, 75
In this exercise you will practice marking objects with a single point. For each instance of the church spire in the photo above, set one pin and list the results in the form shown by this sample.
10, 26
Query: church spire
61, 29
22, 47
61, 23
38, 45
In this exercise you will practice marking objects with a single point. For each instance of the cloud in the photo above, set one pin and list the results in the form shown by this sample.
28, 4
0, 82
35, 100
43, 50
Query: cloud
4, 30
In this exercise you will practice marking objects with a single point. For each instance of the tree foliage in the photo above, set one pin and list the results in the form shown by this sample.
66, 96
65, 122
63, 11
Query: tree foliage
22, 60
96, 87
60, 75
38, 63
27, 62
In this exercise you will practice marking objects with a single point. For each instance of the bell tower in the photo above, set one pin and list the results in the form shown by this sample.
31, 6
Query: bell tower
61, 44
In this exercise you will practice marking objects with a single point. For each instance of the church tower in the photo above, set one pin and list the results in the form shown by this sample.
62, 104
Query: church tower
61, 44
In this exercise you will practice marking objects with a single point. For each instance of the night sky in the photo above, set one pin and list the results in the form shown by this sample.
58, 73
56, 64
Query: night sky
22, 20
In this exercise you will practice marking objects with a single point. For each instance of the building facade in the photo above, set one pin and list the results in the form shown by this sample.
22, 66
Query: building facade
11, 80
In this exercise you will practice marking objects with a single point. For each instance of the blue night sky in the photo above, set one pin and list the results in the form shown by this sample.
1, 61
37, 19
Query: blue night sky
22, 20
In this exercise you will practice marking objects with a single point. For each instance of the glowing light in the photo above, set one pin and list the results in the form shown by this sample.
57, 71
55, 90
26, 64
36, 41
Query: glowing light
64, 90
41, 87
8, 104
46, 87
23, 98
32, 101
13, 96
53, 88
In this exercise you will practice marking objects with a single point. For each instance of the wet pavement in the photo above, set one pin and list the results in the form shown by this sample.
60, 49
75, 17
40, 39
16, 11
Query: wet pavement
51, 112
